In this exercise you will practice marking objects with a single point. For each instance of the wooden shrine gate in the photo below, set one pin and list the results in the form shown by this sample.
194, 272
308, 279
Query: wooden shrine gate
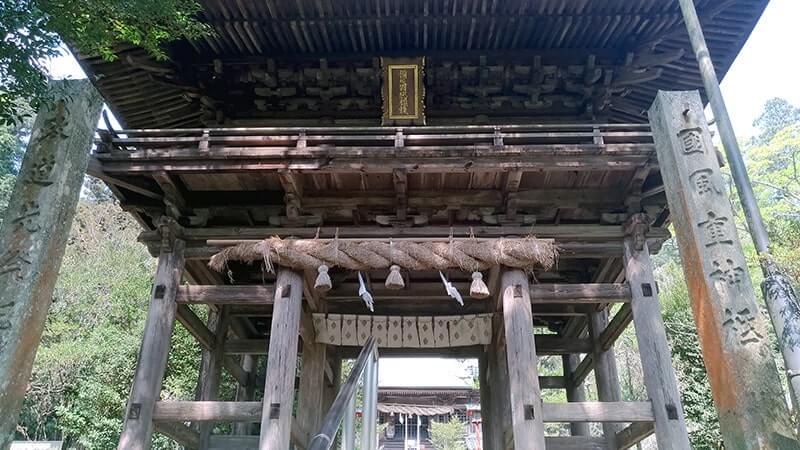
576, 308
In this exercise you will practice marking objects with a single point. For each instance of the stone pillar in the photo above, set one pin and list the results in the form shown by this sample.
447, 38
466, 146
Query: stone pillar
137, 430
35, 231
733, 335
276, 418
659, 376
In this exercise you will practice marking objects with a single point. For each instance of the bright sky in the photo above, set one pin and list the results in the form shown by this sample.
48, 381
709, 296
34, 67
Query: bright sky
767, 67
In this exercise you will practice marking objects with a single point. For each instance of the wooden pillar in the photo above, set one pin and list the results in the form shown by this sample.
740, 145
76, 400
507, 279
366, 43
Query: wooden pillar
733, 335
35, 231
138, 427
659, 376
209, 390
523, 378
310, 392
246, 392
276, 418
575, 392
605, 372
332, 386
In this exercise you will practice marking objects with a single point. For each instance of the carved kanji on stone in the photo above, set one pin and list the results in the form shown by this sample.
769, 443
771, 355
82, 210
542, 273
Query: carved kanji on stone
692, 141
5, 309
703, 182
14, 263
42, 170
27, 218
728, 272
741, 324
716, 230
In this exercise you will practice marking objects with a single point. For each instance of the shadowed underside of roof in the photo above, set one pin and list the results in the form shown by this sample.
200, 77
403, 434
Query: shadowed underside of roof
284, 62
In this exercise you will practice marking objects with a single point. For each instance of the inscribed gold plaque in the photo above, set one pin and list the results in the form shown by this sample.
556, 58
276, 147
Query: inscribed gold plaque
403, 91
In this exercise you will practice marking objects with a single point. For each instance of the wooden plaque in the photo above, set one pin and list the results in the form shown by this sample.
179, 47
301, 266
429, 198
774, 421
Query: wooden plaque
403, 91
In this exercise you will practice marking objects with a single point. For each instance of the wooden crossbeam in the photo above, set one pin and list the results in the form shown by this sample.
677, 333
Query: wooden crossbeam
633, 434
221, 411
545, 344
256, 294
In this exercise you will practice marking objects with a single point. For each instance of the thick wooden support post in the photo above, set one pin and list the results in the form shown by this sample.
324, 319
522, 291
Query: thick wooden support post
332, 385
246, 392
138, 428
211, 374
523, 378
312, 384
35, 231
276, 419
605, 371
733, 335
659, 376
575, 392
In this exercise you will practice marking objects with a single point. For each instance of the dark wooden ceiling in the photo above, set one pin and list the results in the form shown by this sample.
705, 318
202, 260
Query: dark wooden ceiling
298, 62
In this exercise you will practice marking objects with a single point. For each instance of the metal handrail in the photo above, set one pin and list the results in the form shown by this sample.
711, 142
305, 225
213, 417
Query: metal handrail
343, 408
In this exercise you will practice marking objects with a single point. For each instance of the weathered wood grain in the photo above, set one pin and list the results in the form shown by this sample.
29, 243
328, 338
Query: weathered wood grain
276, 418
138, 427
523, 380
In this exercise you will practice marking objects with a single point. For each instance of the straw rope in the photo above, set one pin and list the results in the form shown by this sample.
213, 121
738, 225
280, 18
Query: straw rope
468, 255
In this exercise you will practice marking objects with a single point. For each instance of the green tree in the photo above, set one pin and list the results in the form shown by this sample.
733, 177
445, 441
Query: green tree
82, 374
32, 31
448, 435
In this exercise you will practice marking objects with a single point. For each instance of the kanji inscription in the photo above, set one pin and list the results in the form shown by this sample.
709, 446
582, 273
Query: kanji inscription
14, 263
741, 326
692, 141
716, 230
730, 325
703, 182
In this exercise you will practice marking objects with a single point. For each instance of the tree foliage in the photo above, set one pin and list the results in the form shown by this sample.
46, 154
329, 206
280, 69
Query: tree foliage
85, 363
32, 31
448, 435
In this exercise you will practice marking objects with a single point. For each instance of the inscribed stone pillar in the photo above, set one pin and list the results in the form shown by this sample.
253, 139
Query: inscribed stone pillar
733, 335
35, 231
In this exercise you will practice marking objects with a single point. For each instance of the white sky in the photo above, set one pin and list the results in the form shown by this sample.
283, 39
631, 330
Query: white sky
767, 67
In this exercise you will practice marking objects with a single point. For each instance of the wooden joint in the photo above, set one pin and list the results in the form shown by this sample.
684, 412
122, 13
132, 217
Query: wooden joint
672, 411
203, 145
135, 411
637, 227
285, 291
274, 411
530, 412
159, 292
497, 137
647, 290
518, 291
399, 138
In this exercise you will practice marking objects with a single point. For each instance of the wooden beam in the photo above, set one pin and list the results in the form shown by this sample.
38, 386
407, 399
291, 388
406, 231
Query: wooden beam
174, 194
137, 429
400, 179
207, 411
180, 411
575, 392
605, 371
659, 375
276, 419
256, 294
581, 293
310, 390
209, 388
575, 442
179, 432
523, 380
546, 345
605, 412
634, 434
